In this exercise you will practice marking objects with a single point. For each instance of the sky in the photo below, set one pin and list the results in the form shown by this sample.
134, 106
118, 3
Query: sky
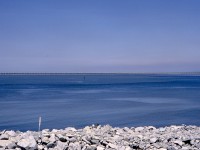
98, 36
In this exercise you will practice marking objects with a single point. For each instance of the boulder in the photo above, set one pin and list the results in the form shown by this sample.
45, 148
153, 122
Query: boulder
28, 143
6, 143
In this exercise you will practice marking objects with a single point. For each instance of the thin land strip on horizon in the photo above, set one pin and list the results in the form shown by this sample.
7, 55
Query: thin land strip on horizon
106, 73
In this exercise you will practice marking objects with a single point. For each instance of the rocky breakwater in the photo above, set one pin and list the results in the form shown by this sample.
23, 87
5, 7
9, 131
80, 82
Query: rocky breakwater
104, 138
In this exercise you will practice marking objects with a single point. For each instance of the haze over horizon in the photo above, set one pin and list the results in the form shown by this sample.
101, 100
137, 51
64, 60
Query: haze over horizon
99, 36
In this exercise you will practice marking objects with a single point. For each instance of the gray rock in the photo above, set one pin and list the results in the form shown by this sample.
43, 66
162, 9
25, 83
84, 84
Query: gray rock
179, 142
162, 129
51, 145
61, 145
5, 143
100, 148
73, 139
40, 147
153, 140
197, 145
184, 148
75, 146
128, 148
171, 148
4, 137
85, 139
139, 129
63, 139
112, 146
52, 138
88, 147
10, 133
157, 145
11, 145
70, 129
28, 143
94, 141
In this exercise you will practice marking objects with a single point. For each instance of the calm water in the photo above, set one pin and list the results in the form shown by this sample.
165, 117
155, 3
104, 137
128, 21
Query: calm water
84, 99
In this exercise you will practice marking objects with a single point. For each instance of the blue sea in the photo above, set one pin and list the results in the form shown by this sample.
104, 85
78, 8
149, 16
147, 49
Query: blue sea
78, 100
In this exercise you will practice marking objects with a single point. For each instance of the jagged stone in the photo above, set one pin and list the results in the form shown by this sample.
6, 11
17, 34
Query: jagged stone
10, 133
5, 143
28, 143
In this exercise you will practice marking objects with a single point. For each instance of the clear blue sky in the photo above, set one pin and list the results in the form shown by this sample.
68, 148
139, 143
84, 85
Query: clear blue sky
99, 35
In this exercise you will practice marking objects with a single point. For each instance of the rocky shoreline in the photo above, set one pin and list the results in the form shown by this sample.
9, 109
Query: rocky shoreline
97, 137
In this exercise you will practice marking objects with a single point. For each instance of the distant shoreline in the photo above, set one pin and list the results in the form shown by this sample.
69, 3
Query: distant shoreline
138, 73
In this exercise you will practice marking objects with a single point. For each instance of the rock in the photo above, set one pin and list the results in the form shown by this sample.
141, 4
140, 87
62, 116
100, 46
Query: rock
175, 127
94, 141
106, 128
70, 129
11, 145
153, 140
184, 148
74, 146
151, 128
139, 129
61, 145
162, 129
2, 132
93, 147
45, 131
140, 136
112, 145
171, 148
157, 145
51, 145
45, 140
134, 145
179, 142
86, 140
128, 148
87, 129
197, 145
54, 131
100, 148
73, 139
63, 139
15, 139
192, 142
5, 143
40, 147
4, 137
10, 133
52, 138
28, 143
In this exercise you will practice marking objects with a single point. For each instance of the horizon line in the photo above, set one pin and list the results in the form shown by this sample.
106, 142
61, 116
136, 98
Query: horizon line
65, 73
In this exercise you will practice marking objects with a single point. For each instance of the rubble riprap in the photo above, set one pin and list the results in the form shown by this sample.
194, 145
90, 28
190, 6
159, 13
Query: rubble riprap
104, 138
